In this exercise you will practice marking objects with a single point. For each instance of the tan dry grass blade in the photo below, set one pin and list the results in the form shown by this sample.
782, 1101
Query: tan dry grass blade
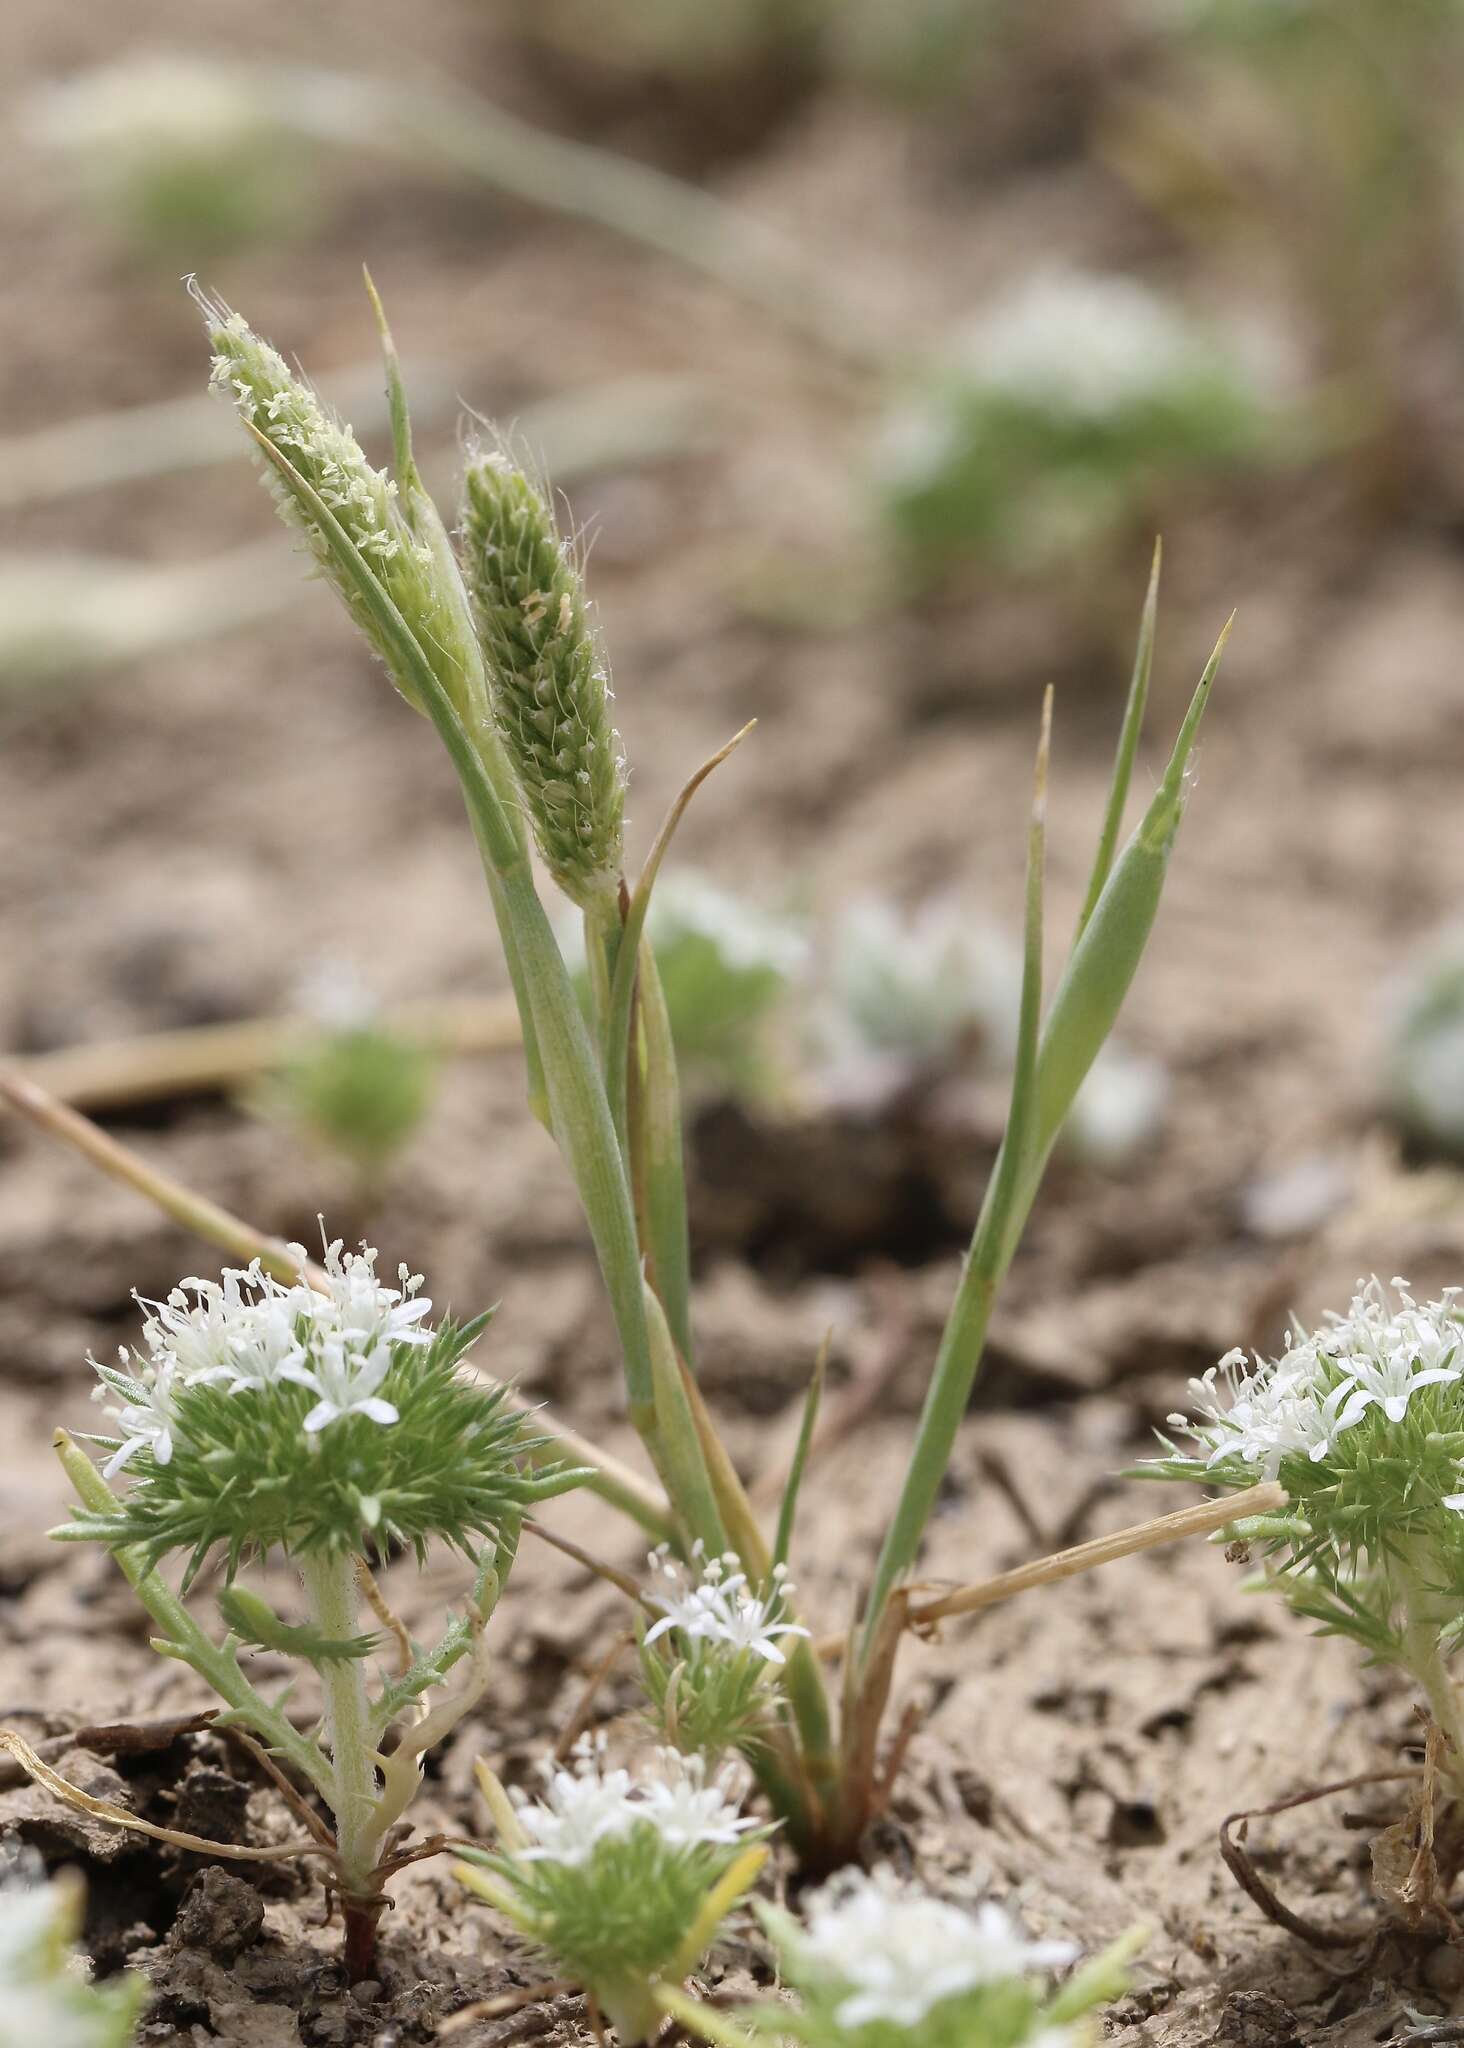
117, 1816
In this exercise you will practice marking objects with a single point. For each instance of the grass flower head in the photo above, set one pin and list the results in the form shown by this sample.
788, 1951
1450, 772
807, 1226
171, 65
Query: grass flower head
318, 452
550, 689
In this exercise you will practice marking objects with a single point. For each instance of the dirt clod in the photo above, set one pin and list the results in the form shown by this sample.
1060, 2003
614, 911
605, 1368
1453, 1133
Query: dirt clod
1256, 2019
221, 1914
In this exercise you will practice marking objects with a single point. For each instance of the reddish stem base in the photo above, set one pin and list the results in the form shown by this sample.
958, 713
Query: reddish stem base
361, 1918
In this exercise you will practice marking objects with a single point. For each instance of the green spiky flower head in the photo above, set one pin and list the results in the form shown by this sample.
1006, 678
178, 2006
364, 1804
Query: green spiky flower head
46, 1996
1362, 1421
710, 1663
547, 677
324, 1421
623, 1882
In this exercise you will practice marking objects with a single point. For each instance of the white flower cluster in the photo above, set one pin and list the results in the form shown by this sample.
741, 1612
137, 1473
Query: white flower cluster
1376, 1356
687, 905
892, 1952
585, 1806
153, 107
909, 985
720, 1607
1083, 344
248, 1332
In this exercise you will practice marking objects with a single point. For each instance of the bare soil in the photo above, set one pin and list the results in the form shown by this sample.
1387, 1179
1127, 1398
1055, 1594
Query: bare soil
185, 839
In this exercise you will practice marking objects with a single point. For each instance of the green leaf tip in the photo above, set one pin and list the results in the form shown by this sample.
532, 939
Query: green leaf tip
1162, 818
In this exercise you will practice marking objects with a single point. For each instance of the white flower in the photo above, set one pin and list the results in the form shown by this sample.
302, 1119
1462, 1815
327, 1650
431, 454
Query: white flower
147, 1418
1377, 1355
721, 1608
1084, 344
367, 1313
28, 1909
238, 1329
685, 1810
248, 1332
579, 1809
583, 1806
347, 1382
891, 1952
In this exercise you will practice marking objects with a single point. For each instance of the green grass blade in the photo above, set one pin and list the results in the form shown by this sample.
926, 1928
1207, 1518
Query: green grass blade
964, 1336
675, 1444
623, 987
659, 1164
1128, 744
1106, 958
396, 395
788, 1509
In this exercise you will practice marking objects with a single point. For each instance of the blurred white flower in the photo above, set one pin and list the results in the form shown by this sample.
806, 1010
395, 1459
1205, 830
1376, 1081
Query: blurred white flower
583, 1806
894, 1951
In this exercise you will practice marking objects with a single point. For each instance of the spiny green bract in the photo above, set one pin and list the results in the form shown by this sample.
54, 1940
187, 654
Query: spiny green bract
705, 1704
623, 1912
245, 1475
364, 501
323, 1420
1363, 1423
546, 675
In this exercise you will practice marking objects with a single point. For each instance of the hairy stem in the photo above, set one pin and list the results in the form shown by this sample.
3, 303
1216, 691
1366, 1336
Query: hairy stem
331, 1588
1426, 1610
180, 1635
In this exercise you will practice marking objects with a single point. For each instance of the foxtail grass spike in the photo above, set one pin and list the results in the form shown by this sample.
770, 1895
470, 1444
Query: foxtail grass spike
547, 677
318, 449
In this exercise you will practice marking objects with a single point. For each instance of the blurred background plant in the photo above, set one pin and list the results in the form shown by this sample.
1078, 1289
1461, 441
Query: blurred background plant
1306, 154
1424, 1051
185, 156
917, 995
357, 1090
1059, 415
1319, 139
